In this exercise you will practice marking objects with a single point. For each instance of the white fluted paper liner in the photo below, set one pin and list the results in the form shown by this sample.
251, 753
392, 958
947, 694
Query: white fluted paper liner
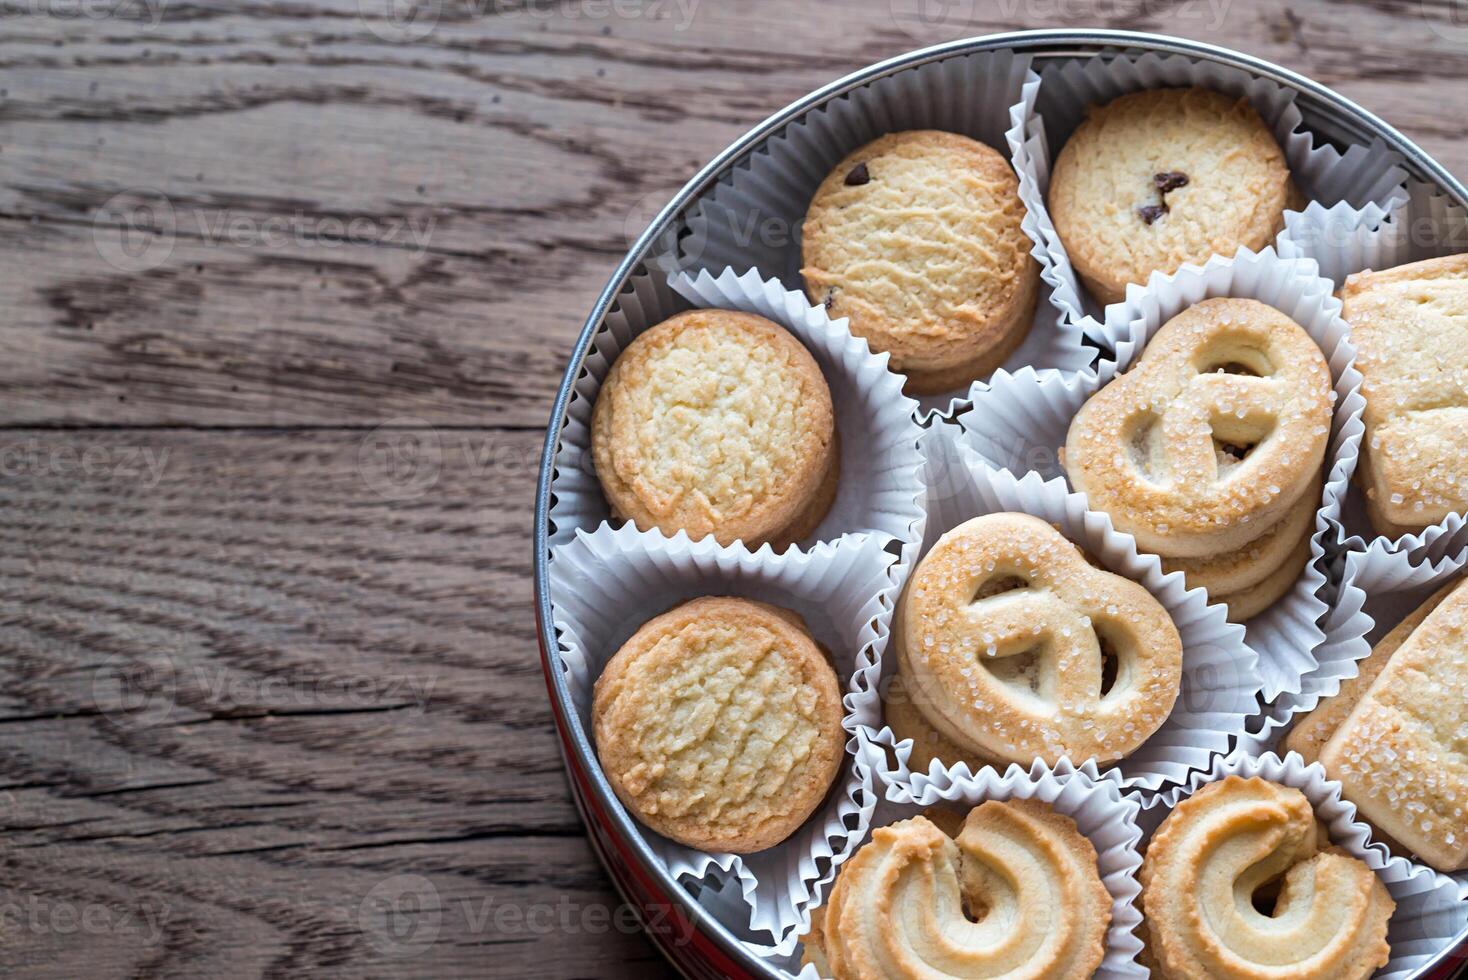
1424, 224
1427, 225
606, 584
1220, 675
1430, 912
1020, 421
1359, 186
1102, 814
879, 487
753, 216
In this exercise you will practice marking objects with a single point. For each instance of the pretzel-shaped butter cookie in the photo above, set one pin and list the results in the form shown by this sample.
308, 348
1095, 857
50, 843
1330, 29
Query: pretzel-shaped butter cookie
1231, 844
1212, 436
898, 908
1005, 639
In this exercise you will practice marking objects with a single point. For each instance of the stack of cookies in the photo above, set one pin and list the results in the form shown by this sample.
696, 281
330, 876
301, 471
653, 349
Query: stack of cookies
720, 723
717, 423
1154, 179
1210, 449
916, 239
1012, 647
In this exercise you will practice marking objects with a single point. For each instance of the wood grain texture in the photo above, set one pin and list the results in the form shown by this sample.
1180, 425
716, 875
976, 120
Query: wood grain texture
271, 703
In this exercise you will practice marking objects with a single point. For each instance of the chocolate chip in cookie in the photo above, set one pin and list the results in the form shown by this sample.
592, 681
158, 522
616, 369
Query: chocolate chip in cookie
1151, 212
1170, 180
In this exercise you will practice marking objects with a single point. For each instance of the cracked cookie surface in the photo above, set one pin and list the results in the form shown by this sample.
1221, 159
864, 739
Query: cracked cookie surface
719, 724
916, 238
717, 423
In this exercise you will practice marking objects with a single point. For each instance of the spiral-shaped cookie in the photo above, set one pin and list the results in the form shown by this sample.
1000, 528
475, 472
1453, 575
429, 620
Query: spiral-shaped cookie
1240, 882
1016, 895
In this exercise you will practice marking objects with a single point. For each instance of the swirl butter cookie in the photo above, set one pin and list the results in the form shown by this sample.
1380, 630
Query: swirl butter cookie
1154, 179
717, 423
1240, 882
1015, 648
916, 238
1017, 893
1212, 437
1410, 328
718, 724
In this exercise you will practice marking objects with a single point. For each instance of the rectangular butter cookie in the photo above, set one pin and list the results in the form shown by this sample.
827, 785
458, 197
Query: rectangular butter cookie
1410, 328
1401, 755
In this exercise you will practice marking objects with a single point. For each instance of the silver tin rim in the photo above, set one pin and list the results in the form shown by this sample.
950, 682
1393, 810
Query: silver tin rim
1325, 111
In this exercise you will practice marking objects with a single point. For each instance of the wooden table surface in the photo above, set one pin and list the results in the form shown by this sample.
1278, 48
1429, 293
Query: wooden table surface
287, 290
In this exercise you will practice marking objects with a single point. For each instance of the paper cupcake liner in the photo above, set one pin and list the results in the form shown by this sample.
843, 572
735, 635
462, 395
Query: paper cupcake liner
1424, 224
1220, 678
1427, 225
753, 217
606, 584
1361, 185
1020, 421
1379, 588
1102, 814
879, 486
1430, 912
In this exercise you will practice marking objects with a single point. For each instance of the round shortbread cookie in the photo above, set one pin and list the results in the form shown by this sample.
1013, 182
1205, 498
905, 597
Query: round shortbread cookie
1235, 571
1154, 179
916, 238
718, 724
717, 423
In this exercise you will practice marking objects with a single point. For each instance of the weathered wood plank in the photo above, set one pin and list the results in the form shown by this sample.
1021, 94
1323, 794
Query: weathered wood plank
242, 688
258, 677
359, 229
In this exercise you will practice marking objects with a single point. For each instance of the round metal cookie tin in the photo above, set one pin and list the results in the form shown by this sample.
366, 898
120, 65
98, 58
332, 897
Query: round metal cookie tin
693, 940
